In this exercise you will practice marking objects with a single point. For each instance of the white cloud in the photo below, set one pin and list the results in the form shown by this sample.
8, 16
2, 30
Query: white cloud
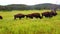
28, 2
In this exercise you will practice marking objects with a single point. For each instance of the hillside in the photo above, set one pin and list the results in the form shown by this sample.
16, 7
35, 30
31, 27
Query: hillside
29, 7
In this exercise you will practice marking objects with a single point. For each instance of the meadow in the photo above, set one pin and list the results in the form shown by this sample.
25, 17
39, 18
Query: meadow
29, 26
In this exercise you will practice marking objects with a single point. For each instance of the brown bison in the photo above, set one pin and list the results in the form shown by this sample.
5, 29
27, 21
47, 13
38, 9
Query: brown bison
50, 14
53, 13
36, 15
47, 14
1, 17
19, 16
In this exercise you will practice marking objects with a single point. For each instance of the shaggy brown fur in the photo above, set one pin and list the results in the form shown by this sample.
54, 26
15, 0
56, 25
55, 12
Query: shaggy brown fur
19, 16
53, 13
36, 15
50, 14
47, 14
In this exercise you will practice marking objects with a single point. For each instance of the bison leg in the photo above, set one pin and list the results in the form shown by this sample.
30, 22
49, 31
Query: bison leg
27, 16
20, 17
31, 17
14, 18
40, 17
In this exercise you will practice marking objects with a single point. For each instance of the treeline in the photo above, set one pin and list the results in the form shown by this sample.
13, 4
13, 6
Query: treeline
28, 7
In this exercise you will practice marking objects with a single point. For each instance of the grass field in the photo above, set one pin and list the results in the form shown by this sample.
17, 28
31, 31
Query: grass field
29, 26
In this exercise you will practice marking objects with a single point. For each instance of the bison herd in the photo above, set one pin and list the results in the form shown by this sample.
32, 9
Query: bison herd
36, 15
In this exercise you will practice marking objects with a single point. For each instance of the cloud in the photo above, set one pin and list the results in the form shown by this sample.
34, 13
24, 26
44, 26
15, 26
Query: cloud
28, 2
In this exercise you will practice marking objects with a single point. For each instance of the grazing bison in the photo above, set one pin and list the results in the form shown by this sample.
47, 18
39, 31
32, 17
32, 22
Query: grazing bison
53, 13
1, 17
50, 14
47, 14
36, 15
19, 16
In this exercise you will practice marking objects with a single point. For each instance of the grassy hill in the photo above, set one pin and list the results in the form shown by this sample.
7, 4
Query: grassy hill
28, 7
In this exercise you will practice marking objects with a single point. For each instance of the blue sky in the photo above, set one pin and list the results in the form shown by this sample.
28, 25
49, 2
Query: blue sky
28, 2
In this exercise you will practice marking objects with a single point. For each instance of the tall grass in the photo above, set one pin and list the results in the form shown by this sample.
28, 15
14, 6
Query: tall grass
29, 26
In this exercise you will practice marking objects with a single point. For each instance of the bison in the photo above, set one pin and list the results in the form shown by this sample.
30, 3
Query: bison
47, 14
53, 13
36, 15
1, 17
50, 14
19, 16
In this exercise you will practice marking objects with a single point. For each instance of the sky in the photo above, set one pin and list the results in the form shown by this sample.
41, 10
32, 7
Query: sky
28, 2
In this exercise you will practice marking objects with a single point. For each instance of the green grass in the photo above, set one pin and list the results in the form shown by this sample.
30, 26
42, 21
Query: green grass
29, 26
